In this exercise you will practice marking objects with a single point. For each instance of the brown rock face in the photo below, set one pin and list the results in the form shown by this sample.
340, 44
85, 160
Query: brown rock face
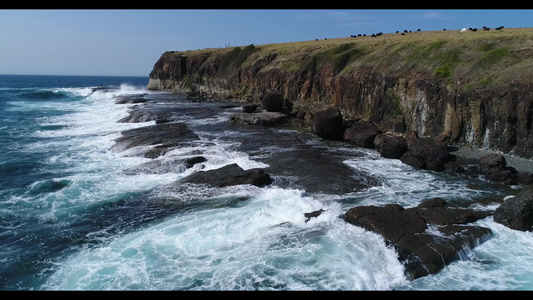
400, 101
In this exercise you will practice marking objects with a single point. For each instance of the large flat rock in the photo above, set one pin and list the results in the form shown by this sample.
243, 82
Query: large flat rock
427, 237
229, 175
164, 135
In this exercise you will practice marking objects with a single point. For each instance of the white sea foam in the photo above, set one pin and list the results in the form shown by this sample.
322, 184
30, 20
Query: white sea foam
241, 237
263, 244
500, 263
80, 147
404, 185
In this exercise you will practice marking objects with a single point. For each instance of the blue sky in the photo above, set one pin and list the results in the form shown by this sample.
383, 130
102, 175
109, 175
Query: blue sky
129, 42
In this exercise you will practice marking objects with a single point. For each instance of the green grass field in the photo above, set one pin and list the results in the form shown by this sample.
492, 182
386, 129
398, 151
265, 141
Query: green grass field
463, 60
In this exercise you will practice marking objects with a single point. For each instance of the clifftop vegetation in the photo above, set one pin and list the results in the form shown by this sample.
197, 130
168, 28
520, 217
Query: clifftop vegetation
463, 60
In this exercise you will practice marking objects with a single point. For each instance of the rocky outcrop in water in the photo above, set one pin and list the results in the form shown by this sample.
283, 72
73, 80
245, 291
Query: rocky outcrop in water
229, 175
427, 237
165, 166
517, 212
163, 136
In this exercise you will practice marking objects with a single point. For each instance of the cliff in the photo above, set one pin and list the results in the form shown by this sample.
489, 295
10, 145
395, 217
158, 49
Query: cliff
474, 87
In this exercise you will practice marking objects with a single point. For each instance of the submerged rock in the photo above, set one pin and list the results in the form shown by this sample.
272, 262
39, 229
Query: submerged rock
146, 113
130, 99
165, 166
165, 135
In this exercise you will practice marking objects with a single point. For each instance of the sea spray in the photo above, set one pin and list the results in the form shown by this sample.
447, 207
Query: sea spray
77, 216
263, 243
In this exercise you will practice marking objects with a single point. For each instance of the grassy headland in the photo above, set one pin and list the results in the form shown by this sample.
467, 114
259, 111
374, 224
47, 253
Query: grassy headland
464, 60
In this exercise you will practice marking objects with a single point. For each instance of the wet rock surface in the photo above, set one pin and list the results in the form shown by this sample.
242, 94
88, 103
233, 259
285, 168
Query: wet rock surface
421, 250
517, 212
229, 175
165, 166
165, 135
427, 237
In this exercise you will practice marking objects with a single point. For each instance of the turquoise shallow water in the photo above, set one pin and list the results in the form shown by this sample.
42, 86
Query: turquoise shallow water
75, 215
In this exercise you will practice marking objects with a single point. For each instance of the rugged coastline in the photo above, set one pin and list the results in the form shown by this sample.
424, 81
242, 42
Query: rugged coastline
422, 252
474, 87
437, 101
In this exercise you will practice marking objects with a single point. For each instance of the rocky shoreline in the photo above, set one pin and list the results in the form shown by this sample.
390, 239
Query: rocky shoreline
421, 250
519, 163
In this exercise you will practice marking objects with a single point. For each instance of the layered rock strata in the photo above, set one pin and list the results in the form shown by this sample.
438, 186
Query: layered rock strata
404, 99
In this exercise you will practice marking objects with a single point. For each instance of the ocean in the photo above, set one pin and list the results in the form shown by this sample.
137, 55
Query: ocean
76, 214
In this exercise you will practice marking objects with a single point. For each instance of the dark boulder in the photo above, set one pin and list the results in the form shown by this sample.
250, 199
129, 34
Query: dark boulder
390, 146
328, 124
525, 177
422, 252
494, 168
426, 153
313, 214
516, 212
229, 175
191, 161
272, 100
362, 134
249, 108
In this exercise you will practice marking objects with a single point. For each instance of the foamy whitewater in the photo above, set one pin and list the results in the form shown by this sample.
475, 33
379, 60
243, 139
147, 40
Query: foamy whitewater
76, 215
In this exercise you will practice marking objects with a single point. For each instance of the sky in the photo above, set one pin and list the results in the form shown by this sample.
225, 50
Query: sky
116, 42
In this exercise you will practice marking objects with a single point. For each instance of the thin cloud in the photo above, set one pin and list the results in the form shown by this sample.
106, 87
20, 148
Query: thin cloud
351, 18
431, 15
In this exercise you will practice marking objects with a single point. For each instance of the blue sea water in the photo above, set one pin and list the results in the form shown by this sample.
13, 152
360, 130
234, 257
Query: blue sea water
77, 215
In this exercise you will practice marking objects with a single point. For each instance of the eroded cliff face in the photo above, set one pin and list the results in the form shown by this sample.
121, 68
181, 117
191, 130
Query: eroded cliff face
497, 119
